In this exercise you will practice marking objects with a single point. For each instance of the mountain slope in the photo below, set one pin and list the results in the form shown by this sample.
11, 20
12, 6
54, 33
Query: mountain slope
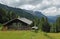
36, 13
23, 13
52, 18
18, 11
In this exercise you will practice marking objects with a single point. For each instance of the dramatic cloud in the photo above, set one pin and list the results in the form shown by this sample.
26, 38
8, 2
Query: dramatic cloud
52, 11
48, 7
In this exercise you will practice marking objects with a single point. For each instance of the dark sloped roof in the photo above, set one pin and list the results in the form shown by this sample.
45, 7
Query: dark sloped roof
25, 20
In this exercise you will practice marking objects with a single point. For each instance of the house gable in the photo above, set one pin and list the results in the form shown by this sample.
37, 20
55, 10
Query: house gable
18, 24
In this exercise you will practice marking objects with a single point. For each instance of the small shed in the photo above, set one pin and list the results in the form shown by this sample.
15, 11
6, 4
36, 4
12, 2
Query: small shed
35, 27
18, 24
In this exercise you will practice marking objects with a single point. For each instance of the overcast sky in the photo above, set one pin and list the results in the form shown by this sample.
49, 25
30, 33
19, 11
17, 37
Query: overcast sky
48, 7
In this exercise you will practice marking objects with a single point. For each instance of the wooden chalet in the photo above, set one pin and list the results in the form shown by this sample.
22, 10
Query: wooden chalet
18, 24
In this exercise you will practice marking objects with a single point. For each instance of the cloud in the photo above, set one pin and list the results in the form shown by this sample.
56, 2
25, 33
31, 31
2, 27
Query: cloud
28, 7
16, 3
52, 11
13, 3
45, 6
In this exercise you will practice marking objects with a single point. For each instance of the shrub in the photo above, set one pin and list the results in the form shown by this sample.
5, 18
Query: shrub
1, 26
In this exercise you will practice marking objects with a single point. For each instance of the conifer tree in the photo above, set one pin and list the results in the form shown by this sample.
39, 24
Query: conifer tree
58, 24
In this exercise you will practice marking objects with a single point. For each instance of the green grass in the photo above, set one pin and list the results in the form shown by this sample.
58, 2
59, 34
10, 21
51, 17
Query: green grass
54, 35
21, 35
28, 35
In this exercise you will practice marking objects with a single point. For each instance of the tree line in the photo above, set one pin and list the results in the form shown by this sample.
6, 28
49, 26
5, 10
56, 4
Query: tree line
41, 23
46, 26
6, 15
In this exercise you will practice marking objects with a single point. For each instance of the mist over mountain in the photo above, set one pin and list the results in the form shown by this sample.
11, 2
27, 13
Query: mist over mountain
36, 13
53, 18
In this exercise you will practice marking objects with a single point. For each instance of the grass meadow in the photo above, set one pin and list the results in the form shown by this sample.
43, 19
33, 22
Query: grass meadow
28, 35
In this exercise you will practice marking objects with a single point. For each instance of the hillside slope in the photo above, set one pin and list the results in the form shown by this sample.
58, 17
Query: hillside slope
22, 12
